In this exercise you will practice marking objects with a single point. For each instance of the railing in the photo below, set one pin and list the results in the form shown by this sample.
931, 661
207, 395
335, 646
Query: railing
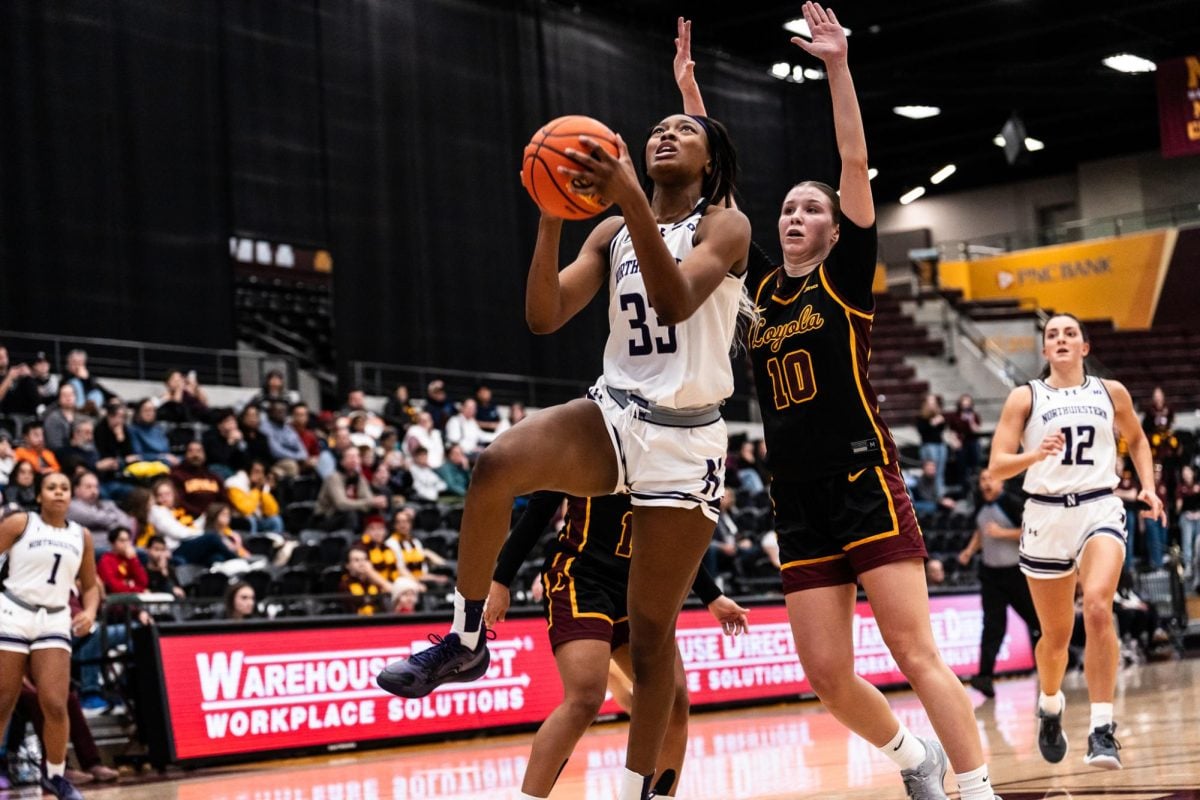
382, 379
1074, 231
123, 358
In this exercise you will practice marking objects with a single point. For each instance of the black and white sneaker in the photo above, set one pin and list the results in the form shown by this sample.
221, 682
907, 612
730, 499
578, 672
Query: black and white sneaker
61, 788
1103, 748
1052, 742
448, 661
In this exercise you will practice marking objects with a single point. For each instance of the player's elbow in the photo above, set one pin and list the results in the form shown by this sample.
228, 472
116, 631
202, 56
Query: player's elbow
541, 324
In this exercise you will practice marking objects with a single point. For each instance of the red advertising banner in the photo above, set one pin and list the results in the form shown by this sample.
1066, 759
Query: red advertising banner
1179, 106
257, 691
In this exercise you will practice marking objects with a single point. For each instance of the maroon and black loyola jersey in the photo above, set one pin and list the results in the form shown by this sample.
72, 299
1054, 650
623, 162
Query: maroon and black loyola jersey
810, 348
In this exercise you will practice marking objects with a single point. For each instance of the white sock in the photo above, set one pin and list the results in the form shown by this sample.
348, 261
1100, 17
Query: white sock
905, 750
1052, 704
974, 785
469, 639
523, 796
633, 786
55, 770
1102, 714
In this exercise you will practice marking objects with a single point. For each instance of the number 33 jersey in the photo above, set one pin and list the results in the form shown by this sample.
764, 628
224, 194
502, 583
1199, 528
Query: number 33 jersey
43, 563
678, 366
810, 347
1084, 415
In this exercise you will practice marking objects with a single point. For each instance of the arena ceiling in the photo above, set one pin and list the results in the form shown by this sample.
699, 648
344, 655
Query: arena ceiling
979, 62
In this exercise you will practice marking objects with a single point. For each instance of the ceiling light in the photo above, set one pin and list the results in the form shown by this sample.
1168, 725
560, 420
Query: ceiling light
799, 26
943, 173
814, 74
911, 194
781, 69
1033, 145
798, 74
917, 112
871, 173
998, 140
1127, 62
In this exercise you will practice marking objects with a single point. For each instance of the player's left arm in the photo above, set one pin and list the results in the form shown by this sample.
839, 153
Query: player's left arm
11, 529
1139, 448
81, 624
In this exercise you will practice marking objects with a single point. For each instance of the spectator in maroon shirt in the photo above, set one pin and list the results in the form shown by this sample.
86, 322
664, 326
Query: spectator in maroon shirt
122, 573
199, 487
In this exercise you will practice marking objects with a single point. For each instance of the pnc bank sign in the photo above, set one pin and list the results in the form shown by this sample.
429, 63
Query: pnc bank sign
1065, 271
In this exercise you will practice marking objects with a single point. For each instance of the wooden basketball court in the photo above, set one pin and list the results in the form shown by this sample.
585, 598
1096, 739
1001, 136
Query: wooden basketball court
771, 753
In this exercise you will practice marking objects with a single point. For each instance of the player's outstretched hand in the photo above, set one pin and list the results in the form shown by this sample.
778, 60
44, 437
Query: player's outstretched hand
733, 618
828, 37
685, 67
496, 607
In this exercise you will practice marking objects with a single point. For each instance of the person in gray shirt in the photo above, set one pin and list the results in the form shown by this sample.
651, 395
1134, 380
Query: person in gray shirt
1001, 584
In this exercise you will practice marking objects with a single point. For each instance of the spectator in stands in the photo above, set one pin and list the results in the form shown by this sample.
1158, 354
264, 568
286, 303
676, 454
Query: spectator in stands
723, 549
389, 441
487, 413
345, 495
59, 417
770, 547
329, 459
119, 569
926, 498
148, 436
218, 543
998, 536
362, 582
1187, 510
1137, 621
300, 422
406, 593
273, 388
9, 375
383, 558
749, 474
425, 435
456, 471
93, 512
399, 481
80, 452
427, 484
158, 513
965, 424
30, 387
1159, 418
250, 494
410, 553
115, 450
34, 449
399, 410
516, 413
257, 447
7, 459
240, 602
931, 425
88, 391
440, 407
935, 573
224, 446
178, 403
360, 433
21, 490
282, 440
159, 571
198, 486
463, 430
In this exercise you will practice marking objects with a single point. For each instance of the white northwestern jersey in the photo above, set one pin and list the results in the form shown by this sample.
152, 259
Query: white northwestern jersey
1085, 416
43, 563
677, 366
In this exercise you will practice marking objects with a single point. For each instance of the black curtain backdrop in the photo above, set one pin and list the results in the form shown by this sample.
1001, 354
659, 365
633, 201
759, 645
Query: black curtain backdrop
140, 134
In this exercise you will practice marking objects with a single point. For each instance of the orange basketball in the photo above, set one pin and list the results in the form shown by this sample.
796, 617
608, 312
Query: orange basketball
557, 194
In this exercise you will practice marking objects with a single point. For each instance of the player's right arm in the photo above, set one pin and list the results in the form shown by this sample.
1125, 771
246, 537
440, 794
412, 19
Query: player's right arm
1006, 461
10, 530
685, 70
552, 296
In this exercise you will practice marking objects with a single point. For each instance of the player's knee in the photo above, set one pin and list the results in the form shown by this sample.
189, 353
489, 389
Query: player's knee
584, 704
915, 656
829, 679
1055, 638
1097, 611
53, 708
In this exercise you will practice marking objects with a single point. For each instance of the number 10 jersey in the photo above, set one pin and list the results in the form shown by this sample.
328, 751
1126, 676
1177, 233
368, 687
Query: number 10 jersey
1084, 414
677, 366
